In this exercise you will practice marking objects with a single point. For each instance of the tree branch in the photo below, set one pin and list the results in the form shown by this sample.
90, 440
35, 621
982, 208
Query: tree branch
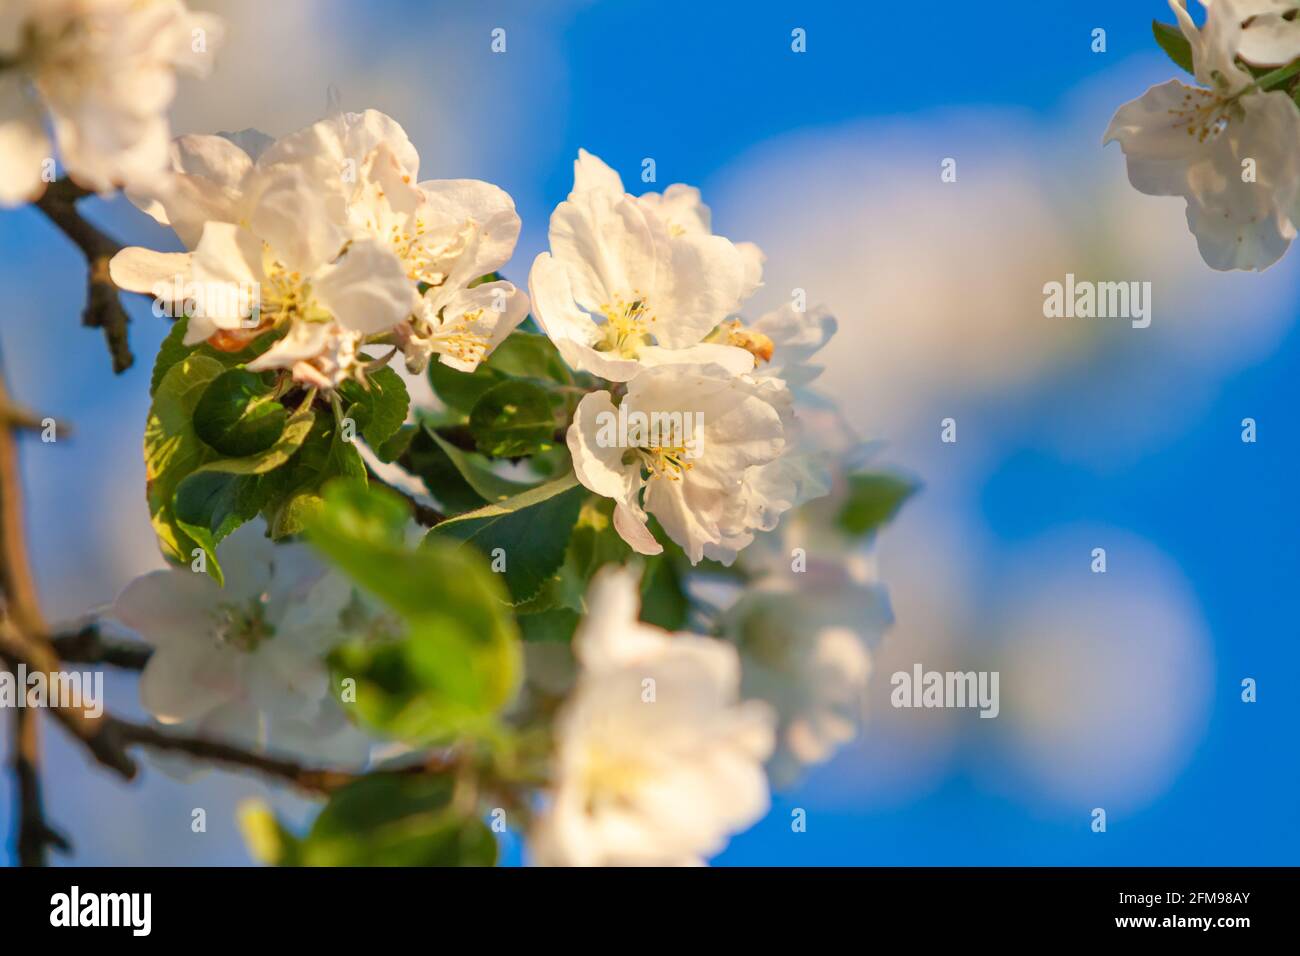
23, 632
34, 834
315, 780
90, 646
103, 306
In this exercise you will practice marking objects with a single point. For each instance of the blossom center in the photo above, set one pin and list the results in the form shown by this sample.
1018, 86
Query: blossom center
627, 326
242, 626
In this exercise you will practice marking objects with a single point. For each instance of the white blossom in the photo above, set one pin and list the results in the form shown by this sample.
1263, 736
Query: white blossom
1229, 149
244, 663
691, 483
658, 286
657, 760
105, 73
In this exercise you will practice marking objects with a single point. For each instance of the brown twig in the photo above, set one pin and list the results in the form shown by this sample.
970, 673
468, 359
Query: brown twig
315, 780
309, 779
35, 835
90, 646
103, 306
23, 632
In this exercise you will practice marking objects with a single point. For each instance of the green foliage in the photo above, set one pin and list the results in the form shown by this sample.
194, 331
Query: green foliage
1174, 44
174, 350
554, 612
523, 356
217, 497
383, 819
172, 448
528, 532
873, 501
512, 419
238, 414
457, 663
378, 408
459, 480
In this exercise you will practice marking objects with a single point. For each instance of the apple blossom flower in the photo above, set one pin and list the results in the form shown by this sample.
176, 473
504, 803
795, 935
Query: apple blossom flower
1268, 37
105, 71
244, 663
447, 233
659, 286
804, 642
657, 759
302, 270
1198, 143
691, 482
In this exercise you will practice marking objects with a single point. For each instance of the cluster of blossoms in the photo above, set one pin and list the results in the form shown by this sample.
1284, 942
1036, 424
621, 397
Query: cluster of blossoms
299, 255
1231, 146
105, 71
666, 292
327, 237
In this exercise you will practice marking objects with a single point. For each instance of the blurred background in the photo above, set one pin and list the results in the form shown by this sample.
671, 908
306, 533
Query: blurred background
1119, 690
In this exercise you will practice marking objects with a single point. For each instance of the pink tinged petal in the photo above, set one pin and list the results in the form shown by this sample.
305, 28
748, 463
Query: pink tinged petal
366, 289
630, 523
24, 147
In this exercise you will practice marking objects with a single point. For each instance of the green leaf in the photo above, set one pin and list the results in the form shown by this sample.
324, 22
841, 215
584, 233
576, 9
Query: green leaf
238, 414
389, 819
172, 449
458, 661
210, 505
379, 409
512, 420
555, 625
217, 497
663, 597
293, 492
459, 480
522, 356
1174, 44
460, 390
529, 533
173, 349
397, 444
873, 501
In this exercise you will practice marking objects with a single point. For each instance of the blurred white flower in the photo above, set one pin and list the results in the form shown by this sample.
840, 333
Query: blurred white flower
657, 759
244, 663
1229, 150
804, 640
660, 287
692, 480
105, 71
1268, 37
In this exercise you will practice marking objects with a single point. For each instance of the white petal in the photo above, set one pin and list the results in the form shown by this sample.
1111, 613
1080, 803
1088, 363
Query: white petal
606, 246
592, 172
367, 288
159, 274
24, 147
